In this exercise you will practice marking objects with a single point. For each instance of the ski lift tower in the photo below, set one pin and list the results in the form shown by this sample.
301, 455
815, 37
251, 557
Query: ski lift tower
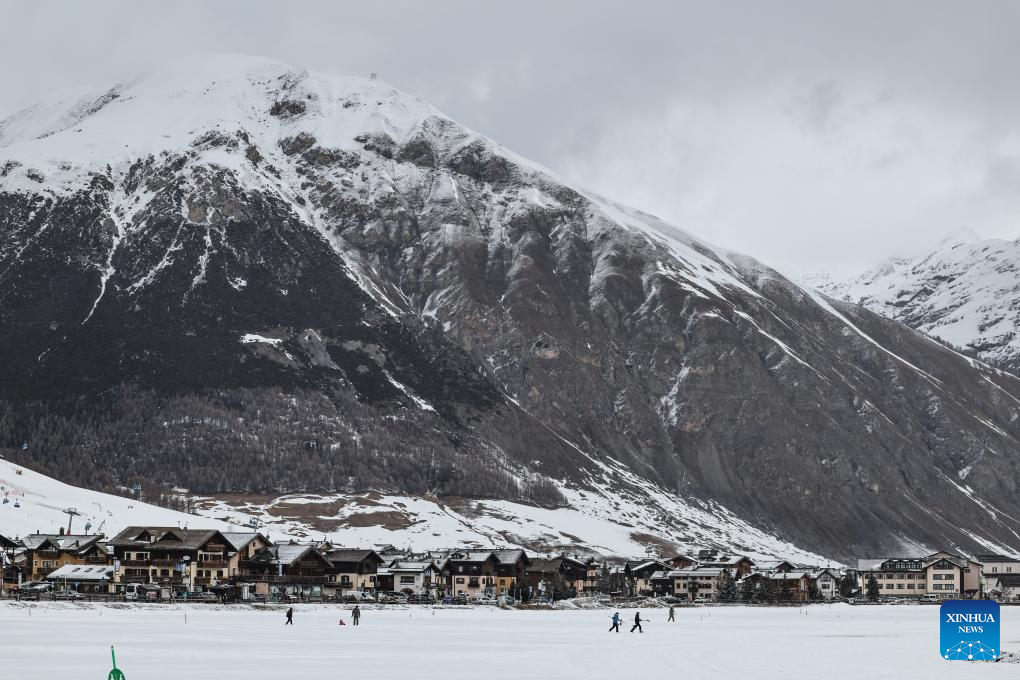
71, 514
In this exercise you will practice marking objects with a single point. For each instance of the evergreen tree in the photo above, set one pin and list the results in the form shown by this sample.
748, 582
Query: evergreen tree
813, 593
726, 587
872, 588
847, 585
747, 589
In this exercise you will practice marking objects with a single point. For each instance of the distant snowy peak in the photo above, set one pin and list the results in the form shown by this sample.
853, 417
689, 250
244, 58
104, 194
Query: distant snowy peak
965, 292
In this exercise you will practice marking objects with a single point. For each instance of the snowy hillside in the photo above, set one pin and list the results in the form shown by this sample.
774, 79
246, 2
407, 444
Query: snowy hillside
241, 278
618, 527
965, 292
37, 504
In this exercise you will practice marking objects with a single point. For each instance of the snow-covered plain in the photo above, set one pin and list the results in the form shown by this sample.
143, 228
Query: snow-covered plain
154, 643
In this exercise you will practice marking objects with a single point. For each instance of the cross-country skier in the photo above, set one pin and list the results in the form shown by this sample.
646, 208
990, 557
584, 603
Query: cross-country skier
637, 623
290, 617
616, 623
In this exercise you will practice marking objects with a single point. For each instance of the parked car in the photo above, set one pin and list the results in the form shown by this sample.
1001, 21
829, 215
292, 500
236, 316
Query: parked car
67, 595
483, 599
201, 597
35, 587
359, 596
391, 597
421, 599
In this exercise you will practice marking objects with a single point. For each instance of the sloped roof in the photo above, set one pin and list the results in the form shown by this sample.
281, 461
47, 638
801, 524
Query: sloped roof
352, 555
789, 576
65, 542
510, 556
471, 556
165, 538
288, 552
696, 571
411, 566
726, 560
81, 572
239, 539
1007, 580
990, 557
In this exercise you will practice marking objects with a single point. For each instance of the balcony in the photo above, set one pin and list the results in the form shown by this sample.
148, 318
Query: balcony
134, 563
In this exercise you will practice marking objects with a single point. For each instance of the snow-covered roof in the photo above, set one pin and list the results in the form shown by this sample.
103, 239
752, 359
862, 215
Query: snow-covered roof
288, 552
696, 571
238, 539
82, 572
65, 542
411, 566
789, 576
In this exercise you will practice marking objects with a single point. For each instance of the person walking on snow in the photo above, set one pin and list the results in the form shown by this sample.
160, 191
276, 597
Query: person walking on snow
672, 613
290, 617
637, 623
616, 623
356, 614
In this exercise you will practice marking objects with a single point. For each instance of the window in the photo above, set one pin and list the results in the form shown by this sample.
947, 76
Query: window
407, 579
460, 580
910, 586
901, 576
899, 586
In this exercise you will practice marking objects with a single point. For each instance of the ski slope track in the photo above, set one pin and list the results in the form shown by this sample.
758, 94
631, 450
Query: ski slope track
271, 286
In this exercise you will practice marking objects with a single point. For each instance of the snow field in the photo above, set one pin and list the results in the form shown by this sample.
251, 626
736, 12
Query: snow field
155, 642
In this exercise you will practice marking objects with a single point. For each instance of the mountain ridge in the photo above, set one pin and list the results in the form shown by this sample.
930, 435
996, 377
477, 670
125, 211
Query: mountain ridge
247, 277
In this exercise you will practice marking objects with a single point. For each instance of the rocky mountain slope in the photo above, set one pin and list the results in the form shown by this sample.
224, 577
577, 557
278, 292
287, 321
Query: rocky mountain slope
234, 275
965, 292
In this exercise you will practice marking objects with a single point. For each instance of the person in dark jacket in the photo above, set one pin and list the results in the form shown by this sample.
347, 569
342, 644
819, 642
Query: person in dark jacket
672, 613
290, 617
356, 614
637, 623
616, 623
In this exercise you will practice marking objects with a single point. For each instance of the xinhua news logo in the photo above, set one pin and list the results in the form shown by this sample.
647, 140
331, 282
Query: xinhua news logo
969, 630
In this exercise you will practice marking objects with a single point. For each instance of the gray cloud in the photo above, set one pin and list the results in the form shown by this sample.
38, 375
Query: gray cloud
812, 136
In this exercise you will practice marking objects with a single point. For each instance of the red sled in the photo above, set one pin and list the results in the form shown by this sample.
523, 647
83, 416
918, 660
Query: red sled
342, 622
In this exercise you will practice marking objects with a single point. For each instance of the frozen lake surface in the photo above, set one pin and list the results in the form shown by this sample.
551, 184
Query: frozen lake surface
155, 643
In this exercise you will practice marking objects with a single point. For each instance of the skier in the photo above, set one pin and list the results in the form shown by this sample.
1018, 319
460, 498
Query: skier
616, 622
637, 623
290, 617
672, 613
356, 614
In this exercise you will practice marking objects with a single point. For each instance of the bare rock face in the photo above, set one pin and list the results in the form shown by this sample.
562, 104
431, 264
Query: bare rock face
342, 289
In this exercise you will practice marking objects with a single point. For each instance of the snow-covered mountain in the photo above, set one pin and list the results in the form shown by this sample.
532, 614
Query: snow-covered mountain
965, 292
239, 277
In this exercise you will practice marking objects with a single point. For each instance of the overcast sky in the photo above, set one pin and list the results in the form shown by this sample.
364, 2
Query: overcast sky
813, 137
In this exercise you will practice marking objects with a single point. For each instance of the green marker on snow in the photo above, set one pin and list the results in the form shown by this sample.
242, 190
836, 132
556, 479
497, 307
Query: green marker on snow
115, 674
